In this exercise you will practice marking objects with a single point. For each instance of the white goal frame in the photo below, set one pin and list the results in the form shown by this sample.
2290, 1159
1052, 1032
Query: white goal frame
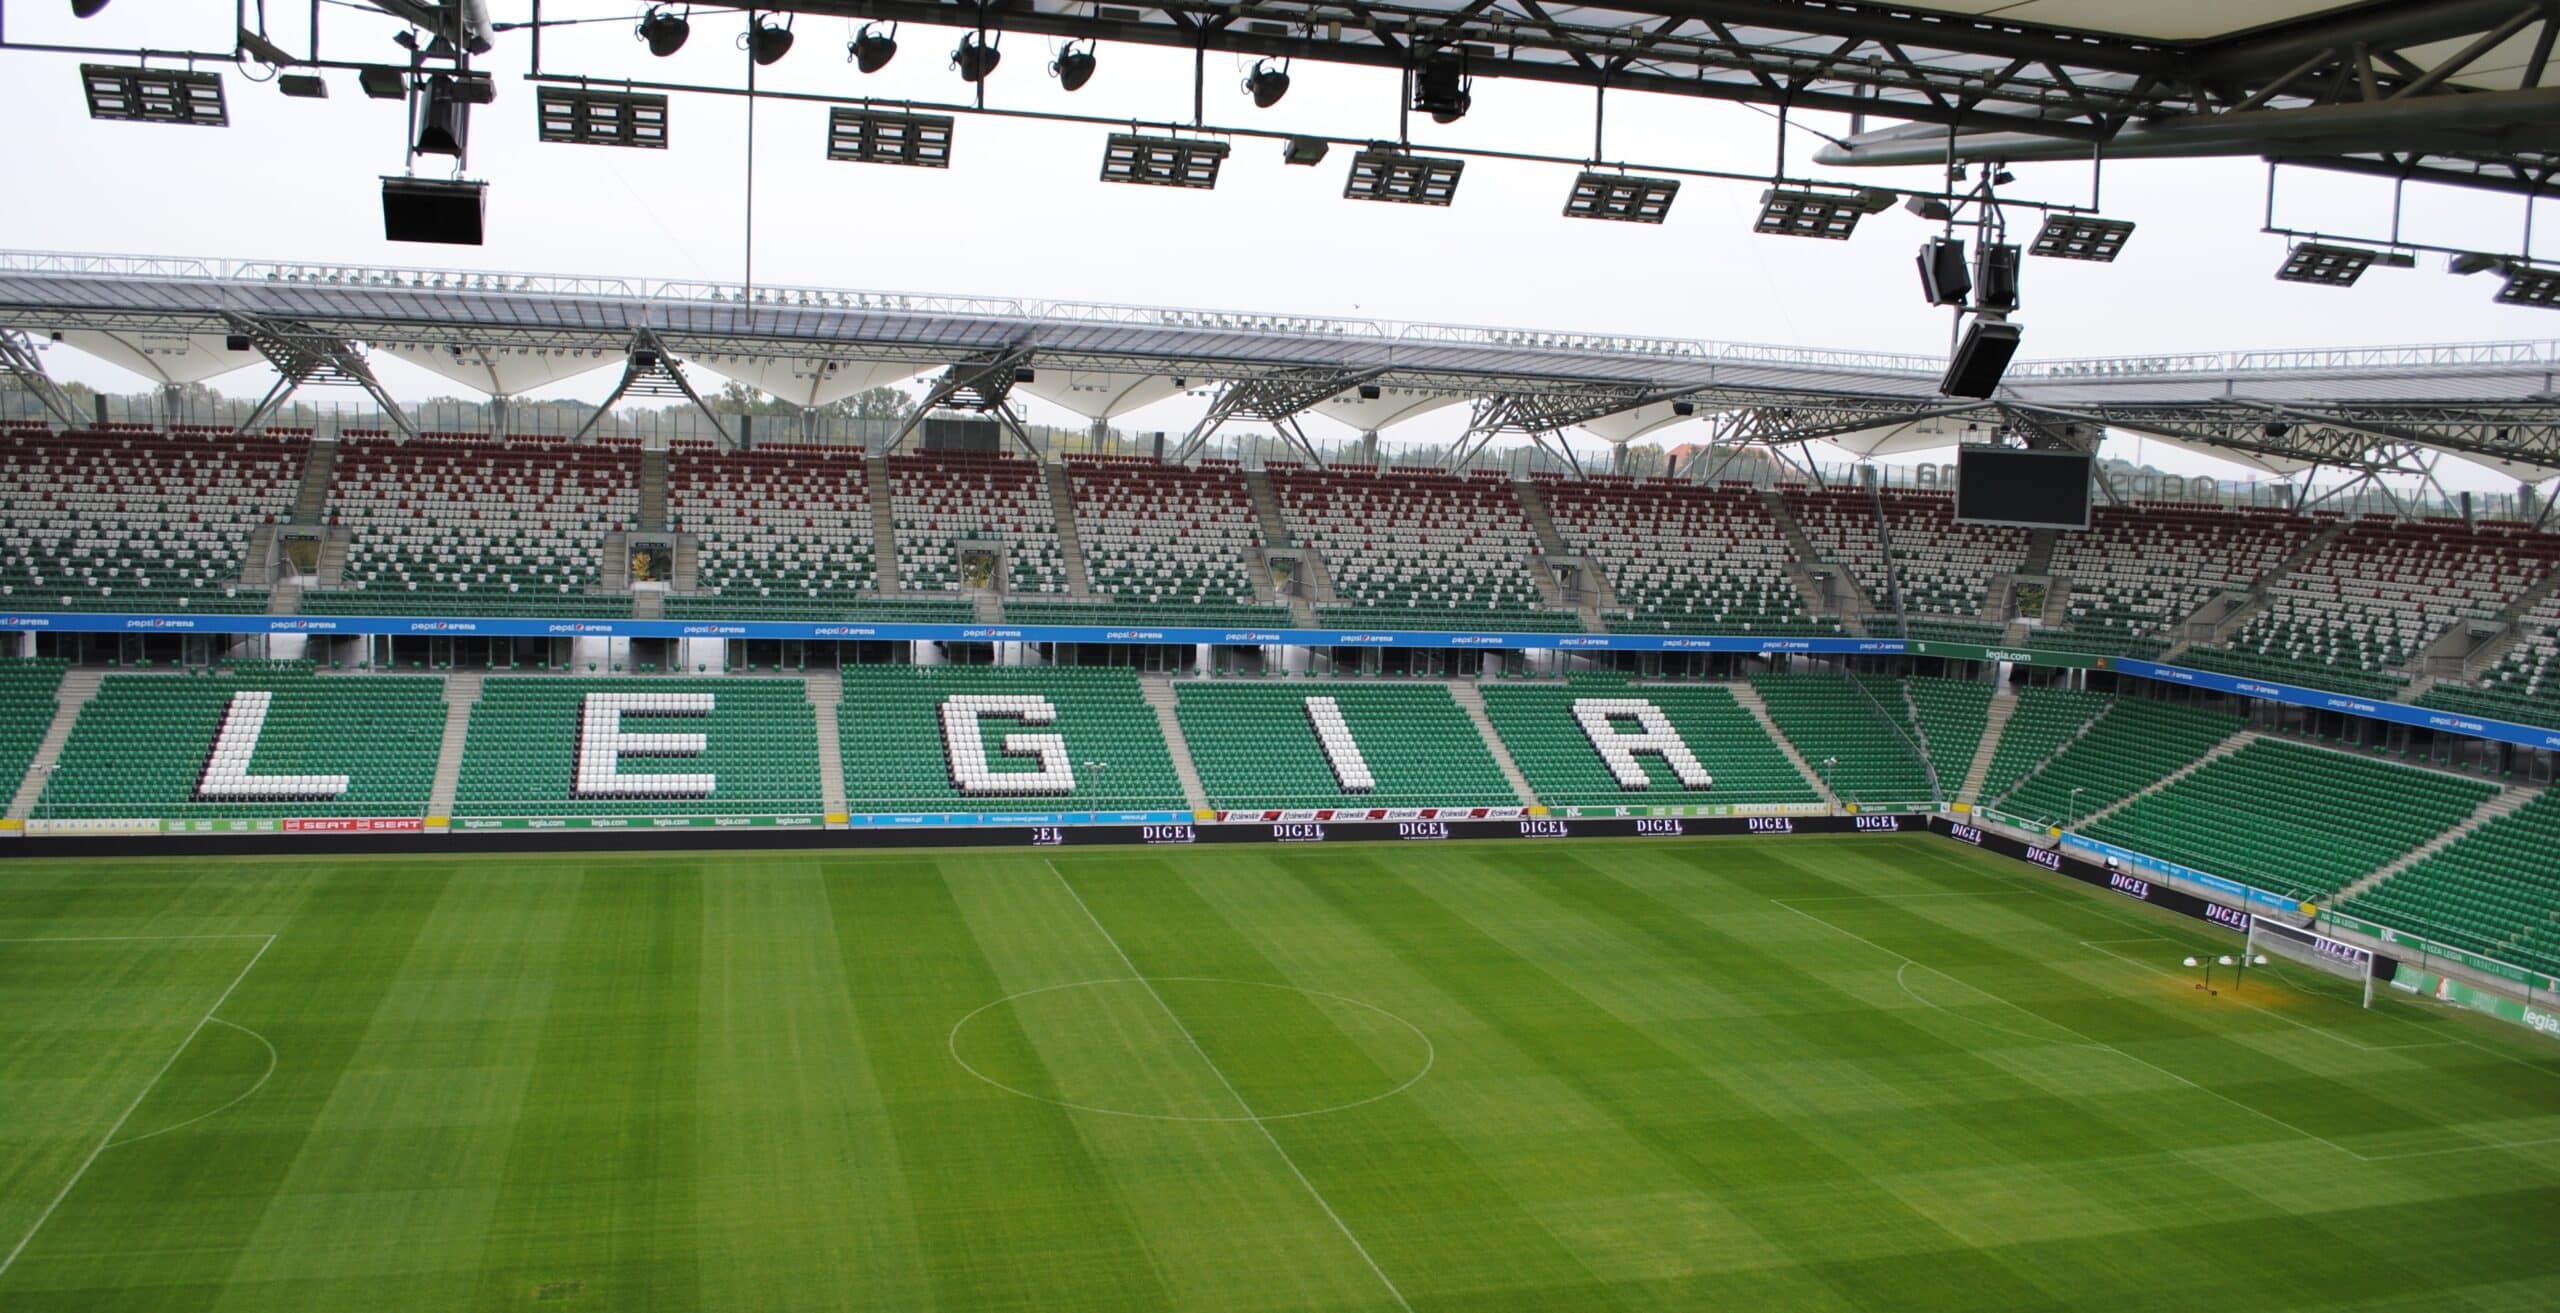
2318, 951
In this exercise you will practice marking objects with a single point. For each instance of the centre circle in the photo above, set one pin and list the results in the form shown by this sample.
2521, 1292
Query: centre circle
1192, 1048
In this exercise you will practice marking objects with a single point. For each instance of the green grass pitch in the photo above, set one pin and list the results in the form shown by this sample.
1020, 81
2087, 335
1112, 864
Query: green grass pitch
1805, 1074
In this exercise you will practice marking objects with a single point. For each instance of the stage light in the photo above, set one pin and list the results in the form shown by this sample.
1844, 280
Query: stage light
1944, 277
1623, 197
1266, 84
1163, 161
869, 136
975, 59
1995, 277
871, 49
154, 95
1304, 150
2082, 237
587, 117
383, 82
87, 8
1989, 345
1371, 392
2528, 285
1930, 208
302, 86
766, 43
664, 32
1073, 67
1833, 215
2337, 266
1441, 87
1383, 173
1684, 409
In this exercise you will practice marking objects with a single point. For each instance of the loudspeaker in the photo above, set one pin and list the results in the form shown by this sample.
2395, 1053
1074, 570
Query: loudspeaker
1995, 278
1975, 372
1943, 278
432, 210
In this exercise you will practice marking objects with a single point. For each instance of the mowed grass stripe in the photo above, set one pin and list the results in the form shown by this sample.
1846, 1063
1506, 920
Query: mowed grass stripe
1651, 1090
801, 1115
597, 1198
1011, 1208
1621, 1213
394, 1188
1226, 1220
1393, 1174
160, 1223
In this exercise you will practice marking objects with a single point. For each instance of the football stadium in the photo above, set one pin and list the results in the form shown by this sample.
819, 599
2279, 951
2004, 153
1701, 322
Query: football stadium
1277, 750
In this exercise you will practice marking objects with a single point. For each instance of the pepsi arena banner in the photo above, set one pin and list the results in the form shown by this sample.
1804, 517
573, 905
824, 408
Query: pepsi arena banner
2293, 695
2246, 895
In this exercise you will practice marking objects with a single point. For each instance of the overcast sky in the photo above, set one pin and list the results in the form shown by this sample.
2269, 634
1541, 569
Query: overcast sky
1021, 214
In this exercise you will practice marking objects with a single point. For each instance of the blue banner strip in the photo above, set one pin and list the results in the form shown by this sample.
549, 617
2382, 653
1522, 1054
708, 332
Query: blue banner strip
2397, 713
2247, 895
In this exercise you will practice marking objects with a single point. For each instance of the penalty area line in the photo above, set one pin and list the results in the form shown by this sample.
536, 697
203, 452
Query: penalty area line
1232, 1092
130, 1108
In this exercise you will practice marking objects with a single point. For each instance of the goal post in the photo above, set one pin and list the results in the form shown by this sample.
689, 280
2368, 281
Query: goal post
2317, 951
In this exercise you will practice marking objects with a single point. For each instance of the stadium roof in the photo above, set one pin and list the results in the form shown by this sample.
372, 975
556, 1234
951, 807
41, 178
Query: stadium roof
181, 320
2440, 90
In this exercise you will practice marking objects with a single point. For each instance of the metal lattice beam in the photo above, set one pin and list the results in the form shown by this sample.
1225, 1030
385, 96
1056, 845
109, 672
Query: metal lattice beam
1277, 398
305, 356
18, 361
2351, 435
650, 370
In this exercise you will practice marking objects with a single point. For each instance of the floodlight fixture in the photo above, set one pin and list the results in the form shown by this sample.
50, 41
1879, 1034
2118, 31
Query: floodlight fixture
1930, 208
1981, 358
975, 58
1684, 409
1385, 173
1073, 67
154, 95
1267, 84
1995, 277
1442, 87
2531, 285
2081, 237
1163, 161
586, 116
863, 135
664, 32
1832, 215
1304, 150
1944, 277
2330, 265
302, 86
383, 82
1620, 196
764, 42
1371, 392
871, 49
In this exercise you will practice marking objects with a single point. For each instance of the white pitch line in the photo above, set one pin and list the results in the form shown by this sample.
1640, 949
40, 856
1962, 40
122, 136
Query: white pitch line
1249, 1114
2085, 1039
2463, 1148
131, 1108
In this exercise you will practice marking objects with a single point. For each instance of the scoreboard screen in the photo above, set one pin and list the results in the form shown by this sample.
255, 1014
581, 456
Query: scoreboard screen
2037, 489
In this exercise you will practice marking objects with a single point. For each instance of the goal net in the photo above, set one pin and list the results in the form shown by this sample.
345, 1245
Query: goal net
2275, 939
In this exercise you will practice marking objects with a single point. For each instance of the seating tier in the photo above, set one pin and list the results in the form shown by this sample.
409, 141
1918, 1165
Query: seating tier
1164, 536
1420, 551
93, 521
892, 728
537, 748
2134, 744
144, 746
1683, 558
1546, 739
478, 527
1255, 744
2140, 569
784, 522
2297, 820
1828, 719
2494, 891
937, 500
2043, 720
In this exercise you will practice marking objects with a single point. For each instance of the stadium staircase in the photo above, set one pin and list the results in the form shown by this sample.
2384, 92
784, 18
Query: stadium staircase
1159, 694
2231, 744
1470, 700
1995, 722
284, 597
1749, 698
2502, 803
78, 686
461, 692
2038, 561
1951, 718
1062, 501
312, 501
614, 570
826, 697
884, 526
653, 490
2510, 620
333, 557
1266, 508
684, 573
2040, 725
258, 561
1595, 598
1829, 588
2218, 619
